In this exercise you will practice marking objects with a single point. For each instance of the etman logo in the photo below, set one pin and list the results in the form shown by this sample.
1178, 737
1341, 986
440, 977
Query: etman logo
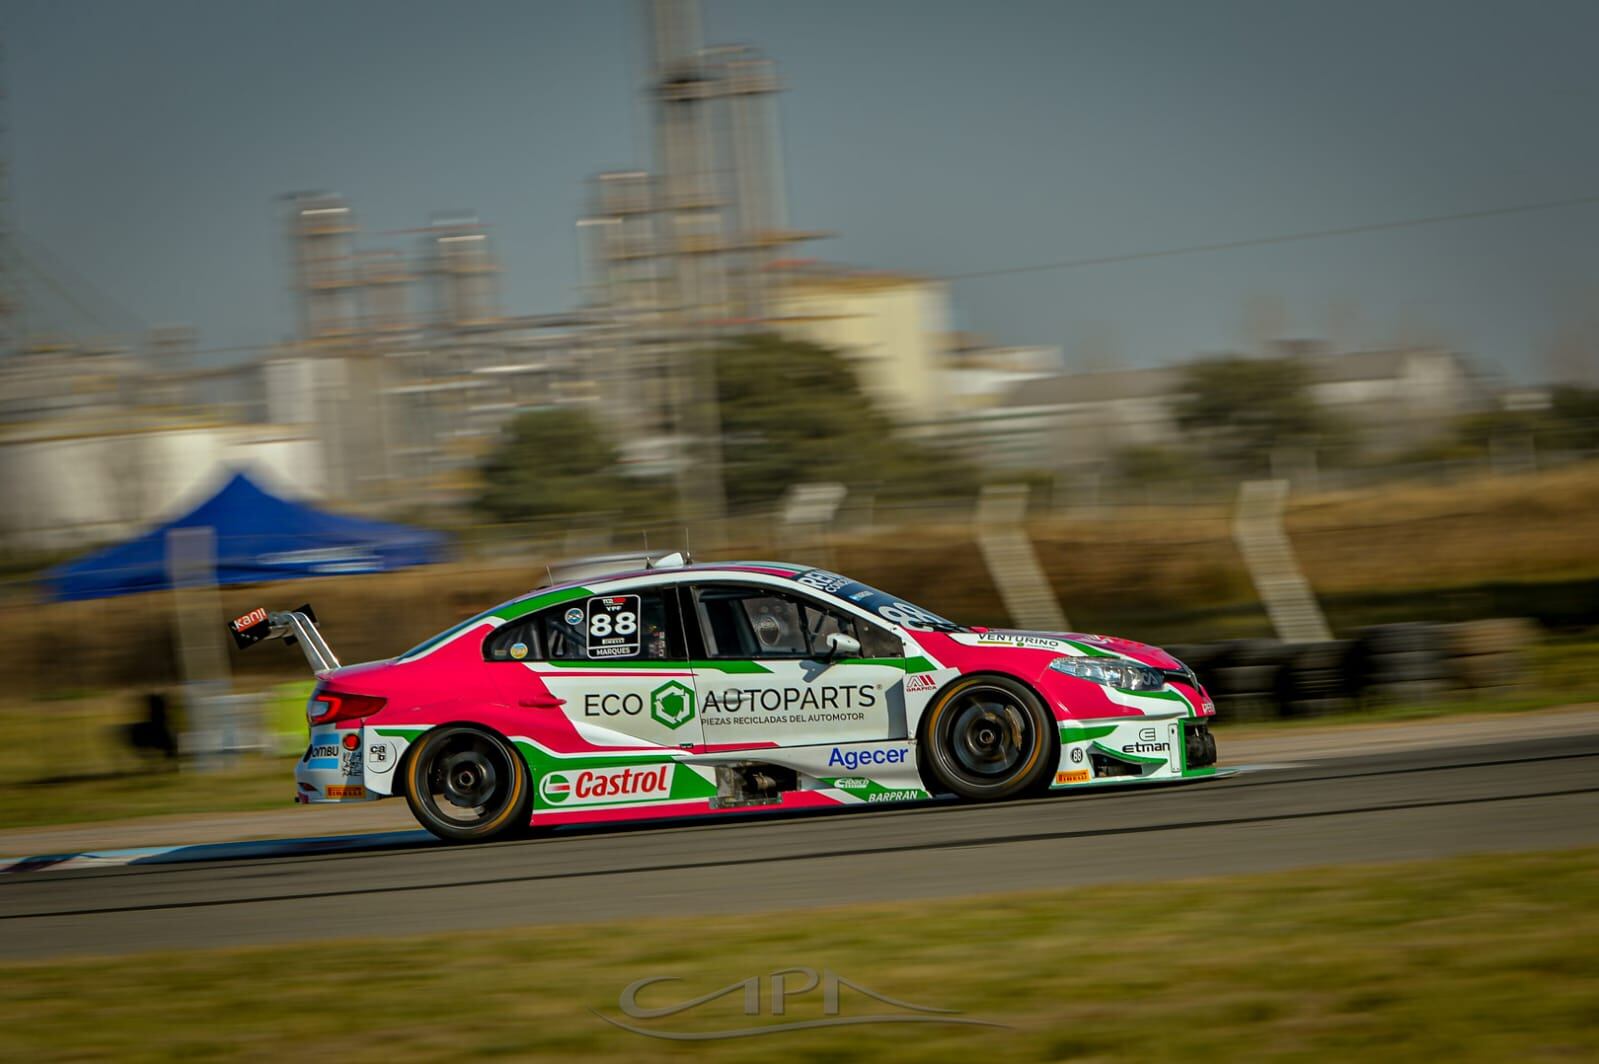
770, 997
1149, 742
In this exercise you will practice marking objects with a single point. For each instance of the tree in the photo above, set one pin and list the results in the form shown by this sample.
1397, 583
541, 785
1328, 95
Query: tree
559, 463
793, 413
1575, 412
790, 412
1246, 408
1151, 464
1477, 433
1570, 422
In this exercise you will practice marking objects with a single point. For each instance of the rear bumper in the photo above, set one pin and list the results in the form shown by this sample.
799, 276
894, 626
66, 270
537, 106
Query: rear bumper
332, 770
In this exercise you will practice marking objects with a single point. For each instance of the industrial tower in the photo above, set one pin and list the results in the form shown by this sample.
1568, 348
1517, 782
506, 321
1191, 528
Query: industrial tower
683, 255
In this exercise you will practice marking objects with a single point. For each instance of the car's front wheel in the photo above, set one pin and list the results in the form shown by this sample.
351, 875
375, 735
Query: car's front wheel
988, 737
468, 785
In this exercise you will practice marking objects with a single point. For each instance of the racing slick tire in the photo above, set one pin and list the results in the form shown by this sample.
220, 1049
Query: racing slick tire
988, 737
466, 784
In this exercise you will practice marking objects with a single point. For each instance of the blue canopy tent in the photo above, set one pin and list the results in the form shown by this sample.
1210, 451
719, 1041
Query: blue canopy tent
259, 537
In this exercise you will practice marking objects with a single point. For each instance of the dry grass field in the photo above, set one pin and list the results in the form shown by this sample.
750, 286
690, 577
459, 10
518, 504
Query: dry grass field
1164, 572
1536, 528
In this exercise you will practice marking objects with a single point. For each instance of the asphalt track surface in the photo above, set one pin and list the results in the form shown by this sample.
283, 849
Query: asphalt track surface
1530, 795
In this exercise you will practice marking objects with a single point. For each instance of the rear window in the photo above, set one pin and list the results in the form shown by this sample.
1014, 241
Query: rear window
456, 629
600, 628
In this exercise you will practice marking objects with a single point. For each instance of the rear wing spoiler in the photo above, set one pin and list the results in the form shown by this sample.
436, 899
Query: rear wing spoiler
292, 626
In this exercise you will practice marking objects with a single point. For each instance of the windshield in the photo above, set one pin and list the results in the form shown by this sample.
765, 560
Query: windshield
881, 603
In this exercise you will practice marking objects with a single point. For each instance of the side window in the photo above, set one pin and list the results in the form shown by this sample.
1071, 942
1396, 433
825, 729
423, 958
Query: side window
778, 623
517, 641
748, 622
627, 627
822, 621
756, 622
878, 642
561, 632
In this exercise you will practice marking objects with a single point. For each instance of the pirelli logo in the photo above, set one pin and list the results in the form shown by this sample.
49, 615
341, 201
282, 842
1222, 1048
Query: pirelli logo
336, 790
1076, 775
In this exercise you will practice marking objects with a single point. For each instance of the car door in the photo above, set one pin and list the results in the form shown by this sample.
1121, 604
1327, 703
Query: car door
614, 665
764, 675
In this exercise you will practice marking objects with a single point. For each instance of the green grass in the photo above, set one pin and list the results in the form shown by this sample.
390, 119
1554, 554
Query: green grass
259, 783
1484, 958
64, 761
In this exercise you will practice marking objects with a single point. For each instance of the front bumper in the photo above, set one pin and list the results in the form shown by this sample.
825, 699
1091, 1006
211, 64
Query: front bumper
1132, 749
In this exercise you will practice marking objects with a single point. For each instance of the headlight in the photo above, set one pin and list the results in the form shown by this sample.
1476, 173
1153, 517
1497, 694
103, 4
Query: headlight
1113, 672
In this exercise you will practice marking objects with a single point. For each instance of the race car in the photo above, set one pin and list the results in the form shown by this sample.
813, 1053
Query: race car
683, 690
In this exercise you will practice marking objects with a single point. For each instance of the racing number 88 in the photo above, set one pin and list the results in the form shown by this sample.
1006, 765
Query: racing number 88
626, 623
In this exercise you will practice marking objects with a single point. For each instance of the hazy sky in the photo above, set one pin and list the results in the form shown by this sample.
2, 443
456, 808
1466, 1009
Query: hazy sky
150, 140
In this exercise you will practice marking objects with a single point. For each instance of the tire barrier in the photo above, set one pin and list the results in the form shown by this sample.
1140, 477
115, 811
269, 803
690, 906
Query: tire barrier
1387, 664
1244, 676
1489, 654
1404, 662
1320, 678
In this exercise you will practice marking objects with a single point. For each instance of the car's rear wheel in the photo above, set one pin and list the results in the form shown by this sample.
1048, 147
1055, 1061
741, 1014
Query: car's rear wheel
468, 785
988, 737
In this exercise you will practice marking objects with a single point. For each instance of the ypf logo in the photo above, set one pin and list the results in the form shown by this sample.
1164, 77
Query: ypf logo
672, 704
555, 788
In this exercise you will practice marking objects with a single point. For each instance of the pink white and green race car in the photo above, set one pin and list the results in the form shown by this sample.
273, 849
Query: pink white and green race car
684, 690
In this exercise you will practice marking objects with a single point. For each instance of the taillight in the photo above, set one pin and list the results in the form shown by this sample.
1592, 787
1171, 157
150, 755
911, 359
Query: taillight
329, 706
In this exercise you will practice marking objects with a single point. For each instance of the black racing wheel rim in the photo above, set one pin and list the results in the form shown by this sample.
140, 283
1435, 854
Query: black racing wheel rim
985, 736
468, 779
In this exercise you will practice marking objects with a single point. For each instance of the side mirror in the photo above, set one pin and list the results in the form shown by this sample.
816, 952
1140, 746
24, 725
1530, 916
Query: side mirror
840, 645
